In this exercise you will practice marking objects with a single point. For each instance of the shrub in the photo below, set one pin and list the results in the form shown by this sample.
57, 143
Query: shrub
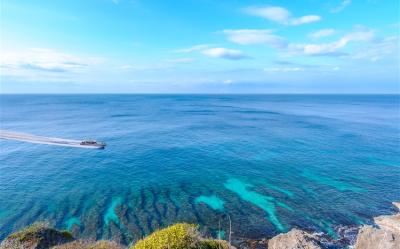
37, 235
213, 244
82, 244
30, 232
179, 236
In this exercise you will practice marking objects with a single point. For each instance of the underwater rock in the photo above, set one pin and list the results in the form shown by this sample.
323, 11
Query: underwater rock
295, 239
385, 236
36, 236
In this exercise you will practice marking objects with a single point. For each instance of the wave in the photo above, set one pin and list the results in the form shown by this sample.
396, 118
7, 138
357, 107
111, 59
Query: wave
24, 137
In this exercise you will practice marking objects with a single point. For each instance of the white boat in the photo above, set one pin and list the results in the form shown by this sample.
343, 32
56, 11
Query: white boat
88, 144
93, 143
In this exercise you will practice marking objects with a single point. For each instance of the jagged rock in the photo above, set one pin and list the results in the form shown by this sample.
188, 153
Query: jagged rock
295, 239
389, 222
36, 236
243, 243
385, 236
374, 238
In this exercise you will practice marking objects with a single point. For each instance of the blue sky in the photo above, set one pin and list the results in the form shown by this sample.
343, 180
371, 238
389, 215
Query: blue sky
199, 46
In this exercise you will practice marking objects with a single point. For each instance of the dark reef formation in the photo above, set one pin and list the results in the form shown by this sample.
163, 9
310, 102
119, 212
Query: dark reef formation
383, 234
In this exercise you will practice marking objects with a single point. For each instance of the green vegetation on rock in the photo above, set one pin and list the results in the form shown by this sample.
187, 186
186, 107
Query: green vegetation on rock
28, 233
179, 236
81, 244
37, 235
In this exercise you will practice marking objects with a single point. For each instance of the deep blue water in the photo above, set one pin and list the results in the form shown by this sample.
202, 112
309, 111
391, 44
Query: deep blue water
272, 162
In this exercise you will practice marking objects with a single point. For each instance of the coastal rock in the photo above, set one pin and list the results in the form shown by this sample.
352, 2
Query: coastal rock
36, 236
241, 243
385, 236
389, 222
295, 239
82, 244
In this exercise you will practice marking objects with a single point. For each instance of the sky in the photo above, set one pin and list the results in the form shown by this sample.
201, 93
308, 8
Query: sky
199, 46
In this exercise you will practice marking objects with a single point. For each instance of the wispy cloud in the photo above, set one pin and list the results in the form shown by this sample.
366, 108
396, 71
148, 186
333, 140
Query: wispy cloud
332, 48
343, 4
193, 48
228, 81
255, 36
45, 60
281, 15
379, 49
180, 60
283, 69
293, 64
215, 52
322, 33
230, 54
39, 64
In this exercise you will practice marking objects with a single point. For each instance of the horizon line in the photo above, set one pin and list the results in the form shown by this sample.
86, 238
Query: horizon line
193, 93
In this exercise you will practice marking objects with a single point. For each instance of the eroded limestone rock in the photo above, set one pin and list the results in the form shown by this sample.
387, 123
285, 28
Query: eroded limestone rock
385, 236
295, 239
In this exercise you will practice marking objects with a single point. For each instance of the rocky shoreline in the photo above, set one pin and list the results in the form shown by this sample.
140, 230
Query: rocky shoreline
383, 234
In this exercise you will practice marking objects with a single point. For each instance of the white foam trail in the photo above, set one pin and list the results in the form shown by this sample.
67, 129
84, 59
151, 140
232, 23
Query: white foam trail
42, 140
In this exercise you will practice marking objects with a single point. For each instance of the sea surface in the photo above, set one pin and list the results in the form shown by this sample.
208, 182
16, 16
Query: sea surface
266, 162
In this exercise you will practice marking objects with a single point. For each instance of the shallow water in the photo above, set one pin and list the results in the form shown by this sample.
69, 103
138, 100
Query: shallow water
272, 162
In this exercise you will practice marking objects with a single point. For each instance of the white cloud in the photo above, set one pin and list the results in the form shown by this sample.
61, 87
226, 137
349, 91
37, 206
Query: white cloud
45, 60
193, 48
283, 69
322, 33
142, 68
255, 36
215, 52
341, 7
229, 81
379, 49
230, 54
276, 14
332, 48
38, 64
281, 15
305, 19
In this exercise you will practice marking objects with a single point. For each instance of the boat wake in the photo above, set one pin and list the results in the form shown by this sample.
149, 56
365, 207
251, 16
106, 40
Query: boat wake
24, 137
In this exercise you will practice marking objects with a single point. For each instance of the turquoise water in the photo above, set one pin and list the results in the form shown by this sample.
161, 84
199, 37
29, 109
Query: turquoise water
213, 202
270, 162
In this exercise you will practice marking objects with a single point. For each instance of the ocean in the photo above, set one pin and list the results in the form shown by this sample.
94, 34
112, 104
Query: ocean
267, 163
